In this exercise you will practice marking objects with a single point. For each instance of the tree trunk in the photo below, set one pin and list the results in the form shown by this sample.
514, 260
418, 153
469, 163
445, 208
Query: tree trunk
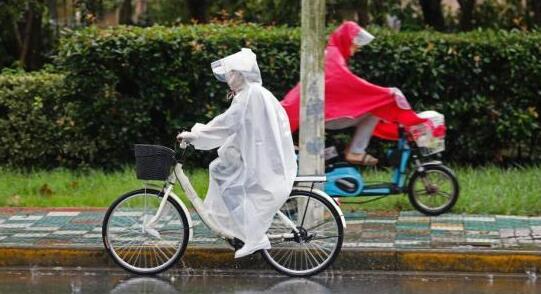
66, 16
141, 7
198, 10
29, 38
363, 16
378, 12
535, 5
433, 14
466, 14
51, 5
125, 13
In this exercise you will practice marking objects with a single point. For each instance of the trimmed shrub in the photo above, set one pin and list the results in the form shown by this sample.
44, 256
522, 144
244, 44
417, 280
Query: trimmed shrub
129, 85
488, 84
33, 124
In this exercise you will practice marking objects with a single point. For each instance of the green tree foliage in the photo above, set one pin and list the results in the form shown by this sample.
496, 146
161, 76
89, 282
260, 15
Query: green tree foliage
24, 33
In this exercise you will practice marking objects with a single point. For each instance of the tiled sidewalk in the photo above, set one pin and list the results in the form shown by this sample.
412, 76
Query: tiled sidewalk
75, 228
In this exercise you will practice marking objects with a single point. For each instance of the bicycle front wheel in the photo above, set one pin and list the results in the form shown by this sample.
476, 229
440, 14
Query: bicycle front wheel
138, 244
318, 239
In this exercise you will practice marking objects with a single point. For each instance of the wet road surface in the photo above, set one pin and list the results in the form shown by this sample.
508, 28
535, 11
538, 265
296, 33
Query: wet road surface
77, 280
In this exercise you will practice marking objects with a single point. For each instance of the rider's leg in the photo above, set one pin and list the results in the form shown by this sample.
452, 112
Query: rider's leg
361, 139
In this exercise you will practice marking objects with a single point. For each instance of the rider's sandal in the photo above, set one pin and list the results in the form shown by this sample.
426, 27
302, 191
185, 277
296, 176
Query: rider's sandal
362, 159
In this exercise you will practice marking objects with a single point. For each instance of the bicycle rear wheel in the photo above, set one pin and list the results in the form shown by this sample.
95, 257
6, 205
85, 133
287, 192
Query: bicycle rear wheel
137, 245
318, 241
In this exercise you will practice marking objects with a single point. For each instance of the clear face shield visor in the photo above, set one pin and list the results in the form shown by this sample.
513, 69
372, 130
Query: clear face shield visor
243, 61
363, 38
219, 70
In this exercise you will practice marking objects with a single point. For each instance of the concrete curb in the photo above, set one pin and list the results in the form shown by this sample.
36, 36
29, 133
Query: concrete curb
433, 260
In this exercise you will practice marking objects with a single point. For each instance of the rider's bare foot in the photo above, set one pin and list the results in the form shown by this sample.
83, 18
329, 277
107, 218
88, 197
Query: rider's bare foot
361, 158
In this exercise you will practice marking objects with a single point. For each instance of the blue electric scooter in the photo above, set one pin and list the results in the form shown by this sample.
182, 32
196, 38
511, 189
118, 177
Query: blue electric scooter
431, 186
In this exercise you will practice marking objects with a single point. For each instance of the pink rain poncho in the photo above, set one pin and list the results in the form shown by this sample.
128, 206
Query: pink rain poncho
348, 96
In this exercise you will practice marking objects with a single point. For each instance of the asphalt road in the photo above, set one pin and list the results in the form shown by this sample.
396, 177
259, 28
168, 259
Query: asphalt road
77, 280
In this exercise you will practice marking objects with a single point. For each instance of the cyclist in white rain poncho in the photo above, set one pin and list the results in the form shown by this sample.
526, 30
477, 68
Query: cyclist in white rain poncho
255, 169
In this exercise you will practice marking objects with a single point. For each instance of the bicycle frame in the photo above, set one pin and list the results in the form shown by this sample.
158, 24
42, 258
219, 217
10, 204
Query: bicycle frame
179, 175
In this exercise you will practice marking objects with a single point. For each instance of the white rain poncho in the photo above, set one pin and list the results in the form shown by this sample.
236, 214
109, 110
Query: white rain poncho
255, 169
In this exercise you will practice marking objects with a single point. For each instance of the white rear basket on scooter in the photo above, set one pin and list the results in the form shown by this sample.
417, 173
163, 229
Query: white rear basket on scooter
430, 135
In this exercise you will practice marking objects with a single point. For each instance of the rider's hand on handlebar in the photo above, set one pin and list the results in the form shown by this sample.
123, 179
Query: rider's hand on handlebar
186, 136
400, 98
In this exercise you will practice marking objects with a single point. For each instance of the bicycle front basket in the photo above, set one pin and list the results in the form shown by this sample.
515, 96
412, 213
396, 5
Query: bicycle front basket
153, 162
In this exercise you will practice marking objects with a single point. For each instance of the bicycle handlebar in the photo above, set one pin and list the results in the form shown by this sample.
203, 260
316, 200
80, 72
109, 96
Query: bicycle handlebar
183, 144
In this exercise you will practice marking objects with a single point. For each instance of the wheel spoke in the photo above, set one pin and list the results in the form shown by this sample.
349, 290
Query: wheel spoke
312, 248
434, 191
136, 249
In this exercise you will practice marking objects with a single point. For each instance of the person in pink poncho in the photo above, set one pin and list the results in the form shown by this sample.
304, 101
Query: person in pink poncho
352, 101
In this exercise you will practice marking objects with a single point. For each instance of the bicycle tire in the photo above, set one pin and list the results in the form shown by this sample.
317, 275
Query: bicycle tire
171, 261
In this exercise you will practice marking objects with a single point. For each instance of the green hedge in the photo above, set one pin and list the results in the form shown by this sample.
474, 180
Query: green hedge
128, 84
31, 118
142, 85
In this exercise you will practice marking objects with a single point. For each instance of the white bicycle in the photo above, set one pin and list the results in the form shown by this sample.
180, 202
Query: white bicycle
146, 231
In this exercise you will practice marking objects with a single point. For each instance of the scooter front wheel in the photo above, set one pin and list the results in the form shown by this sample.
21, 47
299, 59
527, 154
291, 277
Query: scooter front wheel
314, 245
434, 190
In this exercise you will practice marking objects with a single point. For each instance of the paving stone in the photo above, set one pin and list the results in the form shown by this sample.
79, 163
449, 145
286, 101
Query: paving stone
482, 219
412, 226
376, 235
375, 244
354, 228
536, 232
511, 222
349, 244
380, 221
92, 236
411, 213
373, 229
25, 217
15, 225
354, 215
483, 233
413, 232
453, 239
535, 222
355, 222
507, 233
412, 238
446, 227
72, 232
449, 234
378, 227
522, 232
414, 219
42, 229
478, 241
411, 242
525, 241
63, 213
447, 218
30, 235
